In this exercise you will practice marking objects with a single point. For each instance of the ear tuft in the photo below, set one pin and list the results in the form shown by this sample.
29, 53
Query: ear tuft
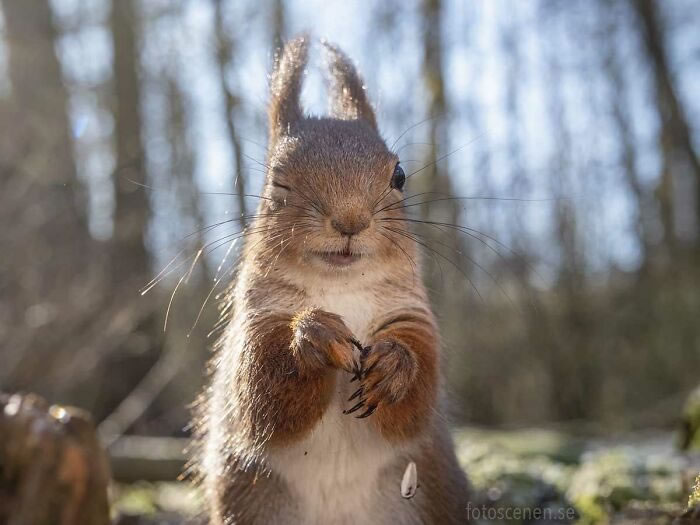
284, 109
348, 96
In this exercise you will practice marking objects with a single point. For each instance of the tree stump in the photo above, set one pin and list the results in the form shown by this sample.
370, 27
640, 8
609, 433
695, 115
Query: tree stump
52, 469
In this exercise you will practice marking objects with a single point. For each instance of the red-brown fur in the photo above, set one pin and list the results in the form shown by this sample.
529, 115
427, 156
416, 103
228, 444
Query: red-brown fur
286, 357
403, 374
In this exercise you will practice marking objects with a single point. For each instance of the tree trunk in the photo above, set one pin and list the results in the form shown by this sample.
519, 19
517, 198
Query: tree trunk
620, 110
679, 157
41, 140
130, 261
131, 213
224, 57
278, 23
434, 177
44, 263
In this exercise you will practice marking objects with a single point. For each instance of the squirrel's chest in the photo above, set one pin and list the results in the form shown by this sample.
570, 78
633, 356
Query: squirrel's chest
333, 472
358, 308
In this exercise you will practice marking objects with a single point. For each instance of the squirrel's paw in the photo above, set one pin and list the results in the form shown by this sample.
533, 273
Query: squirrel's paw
388, 369
320, 338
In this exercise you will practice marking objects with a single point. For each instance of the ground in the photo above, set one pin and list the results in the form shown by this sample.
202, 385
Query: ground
639, 479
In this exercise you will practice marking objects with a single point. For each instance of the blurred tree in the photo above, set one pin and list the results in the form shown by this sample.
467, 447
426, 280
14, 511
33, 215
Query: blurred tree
568, 354
42, 206
225, 52
42, 140
679, 157
182, 164
621, 114
278, 23
510, 37
131, 212
433, 179
140, 335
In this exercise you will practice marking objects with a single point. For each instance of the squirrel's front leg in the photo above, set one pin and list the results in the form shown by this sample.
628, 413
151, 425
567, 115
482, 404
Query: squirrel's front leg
321, 339
287, 367
399, 375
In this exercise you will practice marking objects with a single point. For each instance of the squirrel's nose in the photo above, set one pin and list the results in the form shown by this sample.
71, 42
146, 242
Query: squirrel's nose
349, 226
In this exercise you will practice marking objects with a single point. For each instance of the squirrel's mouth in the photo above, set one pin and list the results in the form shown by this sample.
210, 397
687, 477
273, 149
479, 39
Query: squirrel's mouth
339, 259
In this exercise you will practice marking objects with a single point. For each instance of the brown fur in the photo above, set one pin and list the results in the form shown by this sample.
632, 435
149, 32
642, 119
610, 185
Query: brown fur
402, 378
285, 359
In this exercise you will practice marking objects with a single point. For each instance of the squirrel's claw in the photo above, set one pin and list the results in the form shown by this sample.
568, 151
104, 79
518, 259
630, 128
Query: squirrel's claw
357, 345
360, 374
357, 358
367, 412
355, 408
358, 392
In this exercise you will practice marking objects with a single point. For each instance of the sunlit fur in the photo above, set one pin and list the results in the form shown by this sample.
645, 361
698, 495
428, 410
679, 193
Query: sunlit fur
276, 446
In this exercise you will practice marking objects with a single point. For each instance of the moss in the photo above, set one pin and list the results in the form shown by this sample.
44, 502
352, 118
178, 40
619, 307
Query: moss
137, 498
144, 498
694, 499
532, 442
690, 438
612, 480
609, 484
507, 479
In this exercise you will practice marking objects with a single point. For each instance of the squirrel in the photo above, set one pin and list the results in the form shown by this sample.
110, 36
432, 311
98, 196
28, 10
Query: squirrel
326, 382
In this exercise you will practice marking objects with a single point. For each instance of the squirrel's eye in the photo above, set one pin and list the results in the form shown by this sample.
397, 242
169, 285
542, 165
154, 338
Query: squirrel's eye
278, 193
398, 178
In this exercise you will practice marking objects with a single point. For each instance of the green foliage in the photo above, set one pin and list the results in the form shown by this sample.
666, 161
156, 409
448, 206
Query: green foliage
694, 499
691, 422
513, 470
527, 469
153, 498
609, 481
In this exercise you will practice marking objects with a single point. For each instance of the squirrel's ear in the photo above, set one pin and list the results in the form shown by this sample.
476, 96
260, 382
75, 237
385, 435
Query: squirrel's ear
284, 110
348, 97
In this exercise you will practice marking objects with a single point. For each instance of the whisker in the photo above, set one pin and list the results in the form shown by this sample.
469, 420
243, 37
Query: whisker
431, 253
483, 198
414, 126
156, 279
186, 276
409, 236
466, 230
151, 188
388, 206
496, 281
414, 144
283, 246
261, 146
170, 303
410, 259
262, 164
443, 157
164, 273
217, 280
316, 205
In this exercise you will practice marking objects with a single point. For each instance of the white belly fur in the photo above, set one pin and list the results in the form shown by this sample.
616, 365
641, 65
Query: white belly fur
333, 472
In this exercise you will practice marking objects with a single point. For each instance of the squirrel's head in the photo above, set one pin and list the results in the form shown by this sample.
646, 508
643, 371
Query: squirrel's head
333, 187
